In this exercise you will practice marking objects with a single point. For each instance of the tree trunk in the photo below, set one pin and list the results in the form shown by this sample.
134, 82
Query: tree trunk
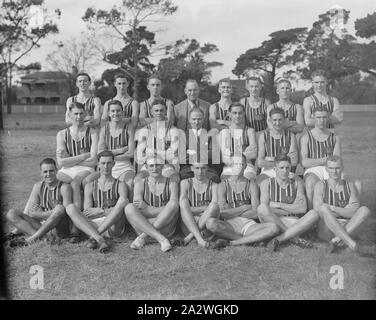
1, 108
9, 99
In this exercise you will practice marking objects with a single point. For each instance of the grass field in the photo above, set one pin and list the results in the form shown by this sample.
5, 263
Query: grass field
75, 272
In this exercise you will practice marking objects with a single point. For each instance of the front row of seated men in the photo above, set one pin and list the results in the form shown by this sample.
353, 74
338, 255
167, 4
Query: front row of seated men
232, 212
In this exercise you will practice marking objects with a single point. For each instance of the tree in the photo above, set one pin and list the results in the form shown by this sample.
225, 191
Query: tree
276, 55
127, 23
186, 59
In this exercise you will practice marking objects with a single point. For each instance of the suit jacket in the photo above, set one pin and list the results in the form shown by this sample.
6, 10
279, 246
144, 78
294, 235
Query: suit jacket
181, 111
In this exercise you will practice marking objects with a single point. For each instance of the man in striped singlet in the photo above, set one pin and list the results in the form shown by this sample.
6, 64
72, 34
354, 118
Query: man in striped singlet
237, 140
105, 200
155, 209
255, 105
198, 202
154, 87
274, 141
294, 116
130, 105
321, 99
51, 200
337, 201
282, 201
317, 145
238, 201
92, 104
219, 111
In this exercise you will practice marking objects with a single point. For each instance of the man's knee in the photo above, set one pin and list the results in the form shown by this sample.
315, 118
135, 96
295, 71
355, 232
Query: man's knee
263, 211
325, 210
273, 228
364, 212
313, 216
12, 215
213, 225
130, 210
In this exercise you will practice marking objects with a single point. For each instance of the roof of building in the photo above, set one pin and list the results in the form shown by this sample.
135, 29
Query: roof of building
45, 75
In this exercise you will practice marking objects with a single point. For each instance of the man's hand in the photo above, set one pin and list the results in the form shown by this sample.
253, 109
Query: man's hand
140, 204
93, 213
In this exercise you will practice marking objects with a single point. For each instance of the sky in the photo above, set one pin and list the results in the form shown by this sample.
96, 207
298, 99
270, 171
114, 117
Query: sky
233, 25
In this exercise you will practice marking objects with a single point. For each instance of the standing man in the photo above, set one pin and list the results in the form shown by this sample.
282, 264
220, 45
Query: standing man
182, 109
321, 99
154, 87
219, 111
155, 209
91, 103
337, 201
283, 202
317, 145
198, 202
255, 105
130, 105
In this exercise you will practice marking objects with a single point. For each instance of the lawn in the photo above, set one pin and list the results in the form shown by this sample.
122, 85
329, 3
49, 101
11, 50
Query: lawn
76, 272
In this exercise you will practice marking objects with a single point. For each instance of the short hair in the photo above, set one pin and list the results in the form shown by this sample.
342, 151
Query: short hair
276, 110
236, 104
196, 109
226, 80
83, 74
320, 109
282, 157
284, 81
154, 76
154, 156
121, 76
334, 158
48, 161
159, 101
190, 81
75, 104
254, 78
106, 153
115, 102
319, 73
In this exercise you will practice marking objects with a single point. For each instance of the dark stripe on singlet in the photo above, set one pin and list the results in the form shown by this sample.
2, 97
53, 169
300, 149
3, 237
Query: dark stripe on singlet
290, 113
199, 199
89, 104
166, 137
338, 199
244, 141
256, 118
329, 106
320, 149
236, 200
283, 195
49, 198
154, 200
274, 146
74, 147
221, 114
116, 142
105, 199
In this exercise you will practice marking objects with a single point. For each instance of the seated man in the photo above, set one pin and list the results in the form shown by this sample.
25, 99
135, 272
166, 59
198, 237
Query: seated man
238, 139
51, 200
155, 210
283, 202
273, 141
317, 145
198, 202
238, 200
105, 200
337, 202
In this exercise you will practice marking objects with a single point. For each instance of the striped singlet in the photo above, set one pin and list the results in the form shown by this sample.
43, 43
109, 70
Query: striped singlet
166, 138
148, 108
236, 200
116, 142
244, 141
199, 199
89, 104
105, 199
49, 198
221, 114
290, 113
283, 195
338, 199
75, 148
320, 149
256, 118
274, 146
329, 106
154, 200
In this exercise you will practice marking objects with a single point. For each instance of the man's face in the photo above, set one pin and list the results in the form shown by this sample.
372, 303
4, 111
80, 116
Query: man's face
225, 89
284, 90
319, 84
321, 119
277, 121
334, 169
48, 173
237, 115
254, 88
154, 167
115, 112
192, 91
105, 165
199, 170
196, 120
238, 166
155, 86
159, 112
121, 85
282, 169
77, 115
83, 83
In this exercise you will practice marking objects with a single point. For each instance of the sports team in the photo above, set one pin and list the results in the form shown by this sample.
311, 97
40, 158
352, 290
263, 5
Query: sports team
246, 172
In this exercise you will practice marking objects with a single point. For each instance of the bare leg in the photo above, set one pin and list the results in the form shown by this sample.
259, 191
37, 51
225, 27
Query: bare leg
23, 222
266, 214
128, 177
222, 229
256, 233
310, 182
